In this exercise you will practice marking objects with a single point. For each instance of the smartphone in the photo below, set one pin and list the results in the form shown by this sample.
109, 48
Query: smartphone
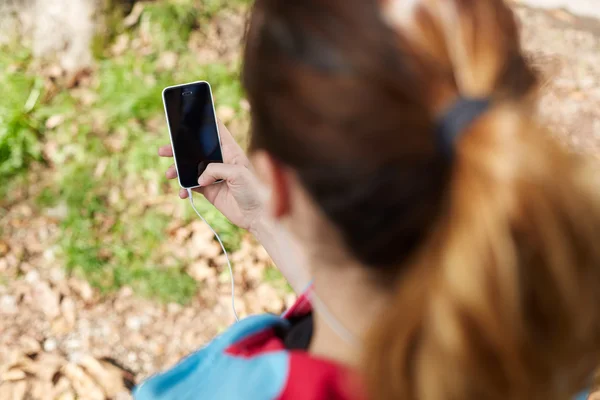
193, 129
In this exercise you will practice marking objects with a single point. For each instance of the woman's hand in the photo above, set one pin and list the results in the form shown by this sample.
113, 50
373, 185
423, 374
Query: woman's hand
237, 197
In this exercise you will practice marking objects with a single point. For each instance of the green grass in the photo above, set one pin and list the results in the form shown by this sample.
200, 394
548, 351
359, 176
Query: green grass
20, 130
108, 150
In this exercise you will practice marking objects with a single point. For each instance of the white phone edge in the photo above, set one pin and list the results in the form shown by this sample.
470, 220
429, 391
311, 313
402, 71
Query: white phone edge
212, 100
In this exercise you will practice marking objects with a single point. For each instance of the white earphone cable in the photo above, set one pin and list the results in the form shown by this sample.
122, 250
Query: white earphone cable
337, 327
332, 321
224, 252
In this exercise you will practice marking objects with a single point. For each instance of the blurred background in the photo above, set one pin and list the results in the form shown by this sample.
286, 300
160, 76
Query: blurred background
105, 275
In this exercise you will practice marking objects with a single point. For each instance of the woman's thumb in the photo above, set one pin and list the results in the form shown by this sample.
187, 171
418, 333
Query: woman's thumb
219, 171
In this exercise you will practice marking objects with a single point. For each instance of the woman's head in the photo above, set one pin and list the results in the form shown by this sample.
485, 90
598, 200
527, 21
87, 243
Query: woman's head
348, 94
493, 238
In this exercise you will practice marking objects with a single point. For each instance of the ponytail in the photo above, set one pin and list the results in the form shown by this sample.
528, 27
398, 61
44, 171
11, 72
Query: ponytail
502, 301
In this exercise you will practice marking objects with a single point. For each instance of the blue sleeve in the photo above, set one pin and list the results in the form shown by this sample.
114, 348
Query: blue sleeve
211, 373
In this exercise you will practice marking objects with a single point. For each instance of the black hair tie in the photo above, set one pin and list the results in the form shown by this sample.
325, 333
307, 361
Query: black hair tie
457, 119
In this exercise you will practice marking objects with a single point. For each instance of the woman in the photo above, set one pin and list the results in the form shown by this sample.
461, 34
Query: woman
452, 243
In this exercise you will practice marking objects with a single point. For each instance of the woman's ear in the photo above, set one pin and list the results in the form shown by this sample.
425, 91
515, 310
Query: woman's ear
277, 180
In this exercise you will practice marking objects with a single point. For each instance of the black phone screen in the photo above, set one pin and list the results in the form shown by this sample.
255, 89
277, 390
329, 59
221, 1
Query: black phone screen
193, 126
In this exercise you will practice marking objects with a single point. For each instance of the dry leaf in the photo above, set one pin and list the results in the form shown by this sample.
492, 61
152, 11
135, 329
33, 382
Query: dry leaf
134, 15
68, 311
201, 271
29, 345
3, 248
108, 378
167, 61
19, 390
68, 395
82, 383
54, 121
83, 289
13, 375
62, 389
41, 389
46, 300
100, 168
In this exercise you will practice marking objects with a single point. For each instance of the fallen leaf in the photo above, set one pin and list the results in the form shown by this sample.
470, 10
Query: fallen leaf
167, 61
100, 168
41, 389
68, 311
46, 300
82, 383
29, 345
49, 364
19, 390
83, 289
134, 15
3, 248
54, 121
6, 390
13, 375
201, 271
109, 379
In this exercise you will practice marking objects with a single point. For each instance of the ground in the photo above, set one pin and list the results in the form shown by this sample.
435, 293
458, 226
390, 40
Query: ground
105, 276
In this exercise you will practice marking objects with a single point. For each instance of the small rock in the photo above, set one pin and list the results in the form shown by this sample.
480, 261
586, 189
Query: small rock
72, 344
132, 357
8, 305
134, 323
50, 345
59, 212
32, 276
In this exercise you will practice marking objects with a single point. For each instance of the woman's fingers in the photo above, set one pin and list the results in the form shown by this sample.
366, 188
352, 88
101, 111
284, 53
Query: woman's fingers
232, 152
218, 171
171, 172
226, 137
165, 151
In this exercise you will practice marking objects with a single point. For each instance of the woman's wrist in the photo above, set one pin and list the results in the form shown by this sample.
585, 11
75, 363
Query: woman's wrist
261, 228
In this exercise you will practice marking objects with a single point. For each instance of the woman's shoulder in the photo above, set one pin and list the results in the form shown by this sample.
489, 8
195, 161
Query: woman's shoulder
250, 361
